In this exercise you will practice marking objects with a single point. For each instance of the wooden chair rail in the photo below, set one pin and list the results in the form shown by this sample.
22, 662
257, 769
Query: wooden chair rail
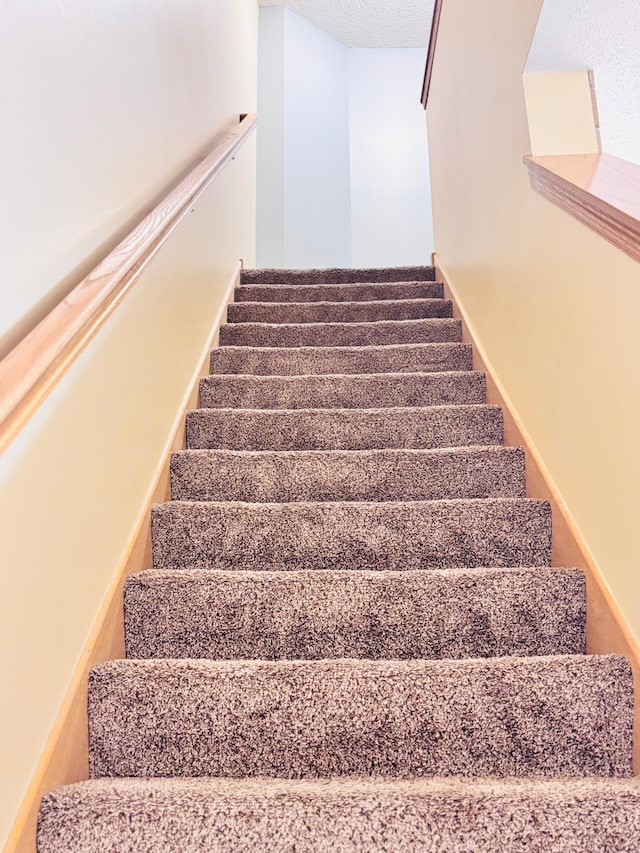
32, 369
601, 191
431, 54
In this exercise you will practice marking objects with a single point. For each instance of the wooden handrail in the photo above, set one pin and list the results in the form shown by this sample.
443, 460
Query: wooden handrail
601, 191
32, 369
431, 54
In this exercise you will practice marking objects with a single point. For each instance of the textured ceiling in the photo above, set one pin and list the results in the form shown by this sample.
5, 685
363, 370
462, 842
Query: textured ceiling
581, 34
367, 23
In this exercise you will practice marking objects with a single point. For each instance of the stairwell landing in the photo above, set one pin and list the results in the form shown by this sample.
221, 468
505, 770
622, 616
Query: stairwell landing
352, 638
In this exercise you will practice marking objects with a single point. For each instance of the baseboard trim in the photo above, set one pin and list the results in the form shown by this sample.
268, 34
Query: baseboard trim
65, 758
607, 629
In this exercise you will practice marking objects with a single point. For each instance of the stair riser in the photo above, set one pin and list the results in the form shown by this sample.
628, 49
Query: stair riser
337, 276
408, 358
295, 719
346, 392
341, 335
347, 536
338, 312
339, 292
532, 816
316, 615
347, 476
345, 429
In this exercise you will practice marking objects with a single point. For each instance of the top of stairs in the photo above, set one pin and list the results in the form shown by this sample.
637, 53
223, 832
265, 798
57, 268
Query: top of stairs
337, 276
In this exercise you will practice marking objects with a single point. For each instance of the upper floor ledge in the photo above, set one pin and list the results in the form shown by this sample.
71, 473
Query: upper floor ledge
599, 190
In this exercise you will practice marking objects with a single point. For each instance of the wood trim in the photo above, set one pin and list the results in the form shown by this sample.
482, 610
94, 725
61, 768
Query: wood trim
594, 107
33, 368
431, 54
601, 191
65, 758
607, 628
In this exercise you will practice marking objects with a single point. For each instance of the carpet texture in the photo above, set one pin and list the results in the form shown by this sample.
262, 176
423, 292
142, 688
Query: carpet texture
300, 361
351, 638
337, 312
341, 334
344, 429
515, 716
347, 475
337, 276
393, 390
343, 816
400, 536
454, 613
366, 292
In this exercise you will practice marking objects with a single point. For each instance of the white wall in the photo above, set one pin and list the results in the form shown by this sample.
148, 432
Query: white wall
303, 168
270, 230
390, 188
317, 199
605, 37
342, 161
103, 105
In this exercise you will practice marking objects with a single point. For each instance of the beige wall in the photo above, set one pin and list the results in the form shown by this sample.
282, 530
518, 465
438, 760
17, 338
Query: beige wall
561, 111
103, 104
109, 102
556, 307
602, 35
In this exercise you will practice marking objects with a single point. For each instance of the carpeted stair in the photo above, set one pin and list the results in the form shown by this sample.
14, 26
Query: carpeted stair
393, 390
344, 429
311, 361
352, 638
373, 333
348, 475
338, 312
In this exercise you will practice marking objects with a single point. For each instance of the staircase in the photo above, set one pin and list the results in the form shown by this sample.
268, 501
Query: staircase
351, 638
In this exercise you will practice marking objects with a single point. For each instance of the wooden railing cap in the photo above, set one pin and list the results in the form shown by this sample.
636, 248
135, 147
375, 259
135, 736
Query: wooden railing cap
431, 53
599, 190
31, 370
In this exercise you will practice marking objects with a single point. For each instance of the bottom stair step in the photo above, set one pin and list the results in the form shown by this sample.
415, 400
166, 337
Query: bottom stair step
541, 716
345, 815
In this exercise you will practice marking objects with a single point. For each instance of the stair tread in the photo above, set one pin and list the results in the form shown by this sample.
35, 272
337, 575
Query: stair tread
453, 613
449, 502
254, 786
353, 815
362, 455
329, 303
566, 715
338, 475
